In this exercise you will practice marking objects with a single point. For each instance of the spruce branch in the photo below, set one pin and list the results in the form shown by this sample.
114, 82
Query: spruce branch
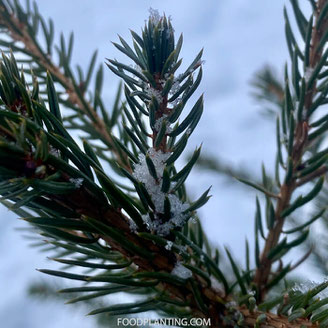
298, 141
56, 184
138, 236
268, 89
21, 26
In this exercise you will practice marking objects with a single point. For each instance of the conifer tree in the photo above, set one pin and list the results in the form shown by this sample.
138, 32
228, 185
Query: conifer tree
114, 205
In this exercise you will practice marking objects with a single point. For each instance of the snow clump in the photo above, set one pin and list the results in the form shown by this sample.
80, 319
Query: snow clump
181, 271
153, 187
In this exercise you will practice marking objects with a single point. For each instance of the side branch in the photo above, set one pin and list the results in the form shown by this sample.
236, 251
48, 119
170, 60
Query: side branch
18, 31
300, 143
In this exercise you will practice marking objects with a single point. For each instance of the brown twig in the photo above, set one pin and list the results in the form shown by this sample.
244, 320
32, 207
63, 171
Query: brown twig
317, 173
302, 259
164, 261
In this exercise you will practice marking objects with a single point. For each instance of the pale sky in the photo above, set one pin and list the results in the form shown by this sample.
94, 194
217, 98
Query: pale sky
238, 37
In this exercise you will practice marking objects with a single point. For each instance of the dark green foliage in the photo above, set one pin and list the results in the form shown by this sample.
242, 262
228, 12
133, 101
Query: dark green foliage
118, 209
65, 192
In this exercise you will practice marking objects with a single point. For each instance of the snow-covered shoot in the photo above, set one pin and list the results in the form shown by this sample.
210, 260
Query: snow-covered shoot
153, 187
181, 271
154, 16
142, 174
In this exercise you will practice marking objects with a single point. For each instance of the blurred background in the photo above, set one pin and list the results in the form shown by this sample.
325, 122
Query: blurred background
239, 37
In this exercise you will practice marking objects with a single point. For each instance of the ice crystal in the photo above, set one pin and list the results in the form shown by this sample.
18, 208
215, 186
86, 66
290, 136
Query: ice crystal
169, 245
41, 169
138, 69
162, 81
175, 87
231, 304
215, 284
308, 285
151, 92
182, 248
305, 286
54, 151
176, 101
161, 228
159, 122
154, 16
133, 226
308, 73
181, 271
177, 208
178, 218
77, 182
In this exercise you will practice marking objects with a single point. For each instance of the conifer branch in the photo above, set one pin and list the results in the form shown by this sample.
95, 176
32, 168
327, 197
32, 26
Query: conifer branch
20, 31
137, 236
299, 145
